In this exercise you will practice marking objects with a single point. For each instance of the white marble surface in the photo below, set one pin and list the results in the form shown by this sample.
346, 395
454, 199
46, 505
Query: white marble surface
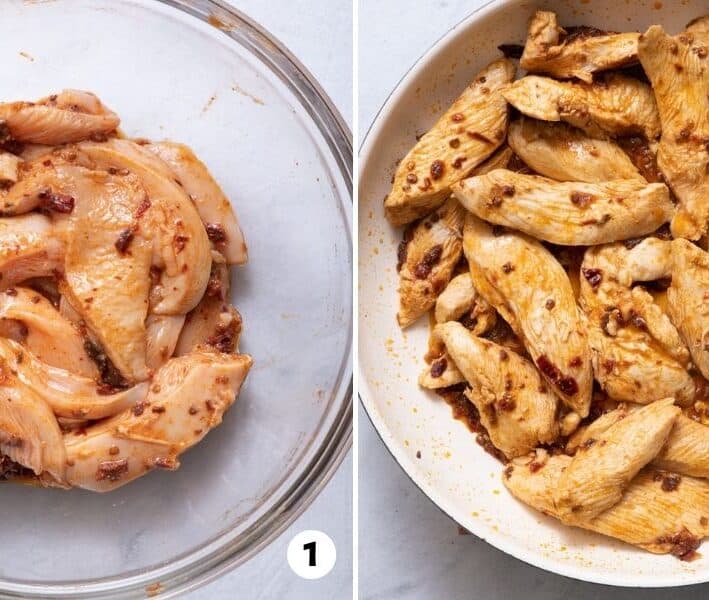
320, 35
408, 549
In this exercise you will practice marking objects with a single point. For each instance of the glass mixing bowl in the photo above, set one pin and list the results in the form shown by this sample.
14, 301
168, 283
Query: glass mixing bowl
201, 73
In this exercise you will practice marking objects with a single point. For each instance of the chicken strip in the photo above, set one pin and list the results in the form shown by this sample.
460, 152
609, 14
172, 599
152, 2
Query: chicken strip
43, 331
688, 299
564, 153
427, 257
461, 297
647, 515
638, 355
698, 25
9, 169
468, 133
615, 105
567, 213
181, 249
107, 267
29, 433
515, 407
162, 333
67, 394
214, 208
214, 325
441, 373
70, 116
187, 398
550, 49
531, 291
30, 246
678, 68
686, 450
602, 468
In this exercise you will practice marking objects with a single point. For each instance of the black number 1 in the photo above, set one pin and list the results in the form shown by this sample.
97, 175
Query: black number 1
310, 547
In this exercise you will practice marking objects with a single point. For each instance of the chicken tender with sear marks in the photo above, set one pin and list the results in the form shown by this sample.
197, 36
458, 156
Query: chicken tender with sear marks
468, 133
566, 213
532, 292
550, 49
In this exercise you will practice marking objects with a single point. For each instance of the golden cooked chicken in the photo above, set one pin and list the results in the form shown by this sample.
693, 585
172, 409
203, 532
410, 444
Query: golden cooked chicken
566, 213
564, 153
678, 67
531, 291
638, 355
602, 467
427, 256
118, 342
70, 116
614, 105
468, 133
515, 406
688, 299
698, 25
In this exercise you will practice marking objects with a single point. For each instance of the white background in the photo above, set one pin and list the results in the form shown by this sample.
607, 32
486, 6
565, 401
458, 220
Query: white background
408, 549
320, 35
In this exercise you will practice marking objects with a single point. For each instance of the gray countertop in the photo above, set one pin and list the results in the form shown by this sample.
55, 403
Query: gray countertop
408, 549
320, 35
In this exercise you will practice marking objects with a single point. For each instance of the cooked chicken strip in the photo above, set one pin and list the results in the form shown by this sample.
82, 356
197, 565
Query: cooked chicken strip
107, 267
515, 407
29, 247
602, 468
686, 450
180, 244
678, 68
616, 105
688, 299
162, 333
43, 331
70, 116
550, 50
214, 208
646, 516
567, 213
9, 169
441, 373
187, 398
457, 299
29, 433
468, 133
698, 25
564, 153
427, 258
67, 394
638, 355
532, 292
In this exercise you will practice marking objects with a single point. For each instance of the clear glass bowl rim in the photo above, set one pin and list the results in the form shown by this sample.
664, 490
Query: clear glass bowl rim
221, 554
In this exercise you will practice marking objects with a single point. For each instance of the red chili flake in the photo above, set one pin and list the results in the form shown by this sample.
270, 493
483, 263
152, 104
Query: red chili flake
508, 267
457, 117
458, 162
125, 237
550, 303
139, 408
142, 207
192, 410
454, 143
508, 471
11, 292
216, 233
567, 385
581, 199
59, 203
180, 242
35, 300
210, 405
113, 450
418, 454
638, 320
535, 466
575, 362
165, 463
439, 367
670, 481
587, 444
593, 276
437, 168
503, 355
112, 470
158, 409
507, 403
412, 178
221, 379
684, 544
429, 260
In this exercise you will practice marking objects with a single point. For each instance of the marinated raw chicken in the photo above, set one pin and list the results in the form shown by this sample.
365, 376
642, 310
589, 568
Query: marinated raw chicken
427, 257
602, 467
468, 133
615, 105
647, 515
70, 116
550, 49
567, 213
107, 267
30, 246
213, 206
29, 318
638, 355
162, 333
188, 397
515, 407
531, 291
688, 299
181, 249
564, 153
678, 67
9, 169
67, 394
29, 433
